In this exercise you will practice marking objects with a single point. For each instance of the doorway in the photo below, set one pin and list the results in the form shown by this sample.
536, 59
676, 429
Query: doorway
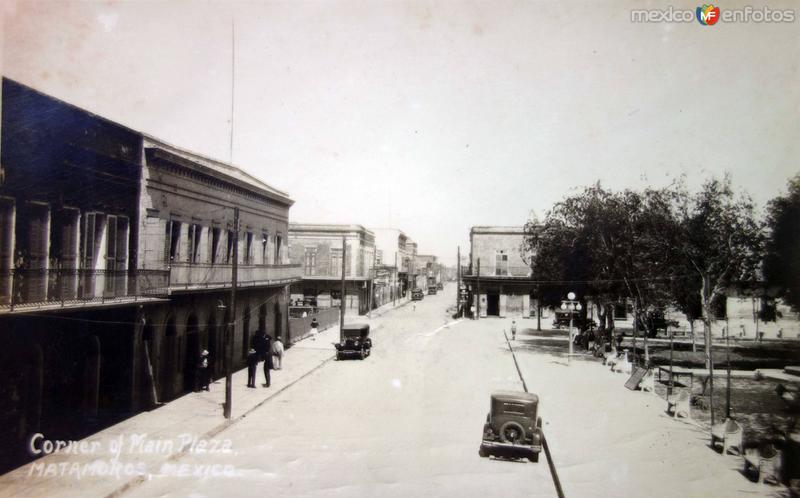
493, 304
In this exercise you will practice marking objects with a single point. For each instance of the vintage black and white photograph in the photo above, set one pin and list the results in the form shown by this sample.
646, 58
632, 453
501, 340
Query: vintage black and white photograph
400, 248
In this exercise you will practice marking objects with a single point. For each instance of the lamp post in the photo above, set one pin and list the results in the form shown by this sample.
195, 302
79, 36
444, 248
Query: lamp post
572, 306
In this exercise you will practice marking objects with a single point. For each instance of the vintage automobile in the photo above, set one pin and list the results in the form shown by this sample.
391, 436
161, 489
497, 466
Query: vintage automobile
512, 428
417, 295
654, 321
355, 341
431, 290
440, 286
562, 318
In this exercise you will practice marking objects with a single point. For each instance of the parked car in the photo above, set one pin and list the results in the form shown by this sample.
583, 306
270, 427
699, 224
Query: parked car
431, 290
653, 322
562, 318
355, 341
417, 295
512, 428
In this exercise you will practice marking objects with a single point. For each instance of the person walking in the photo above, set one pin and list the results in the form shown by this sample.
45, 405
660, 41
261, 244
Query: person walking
314, 326
513, 330
203, 371
277, 353
252, 365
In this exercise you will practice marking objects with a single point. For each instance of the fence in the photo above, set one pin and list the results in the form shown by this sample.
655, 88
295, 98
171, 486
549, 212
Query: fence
299, 328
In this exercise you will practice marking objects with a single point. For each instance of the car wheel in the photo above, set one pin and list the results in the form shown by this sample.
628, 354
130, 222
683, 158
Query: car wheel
534, 458
482, 452
362, 354
512, 432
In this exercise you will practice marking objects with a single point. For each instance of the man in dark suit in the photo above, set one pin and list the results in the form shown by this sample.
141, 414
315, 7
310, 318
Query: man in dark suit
252, 366
264, 348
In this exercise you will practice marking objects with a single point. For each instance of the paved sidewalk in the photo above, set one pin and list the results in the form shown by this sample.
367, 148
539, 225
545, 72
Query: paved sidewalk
152, 439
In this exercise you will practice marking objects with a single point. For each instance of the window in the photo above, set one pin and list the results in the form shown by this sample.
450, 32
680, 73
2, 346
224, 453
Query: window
215, 233
195, 232
621, 311
501, 264
278, 250
248, 248
264, 248
172, 241
336, 262
719, 307
229, 250
378, 258
310, 263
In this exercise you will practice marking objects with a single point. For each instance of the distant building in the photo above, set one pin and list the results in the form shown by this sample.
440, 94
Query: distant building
498, 276
396, 251
317, 248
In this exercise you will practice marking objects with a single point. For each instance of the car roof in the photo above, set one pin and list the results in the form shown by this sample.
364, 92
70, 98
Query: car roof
515, 396
356, 326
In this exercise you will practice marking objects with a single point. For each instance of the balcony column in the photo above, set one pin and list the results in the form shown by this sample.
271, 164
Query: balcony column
526, 305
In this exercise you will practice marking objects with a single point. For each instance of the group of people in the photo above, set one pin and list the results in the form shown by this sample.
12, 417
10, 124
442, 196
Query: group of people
263, 349
271, 353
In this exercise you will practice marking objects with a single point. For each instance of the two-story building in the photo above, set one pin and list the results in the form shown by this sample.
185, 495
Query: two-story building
115, 268
498, 274
396, 250
317, 248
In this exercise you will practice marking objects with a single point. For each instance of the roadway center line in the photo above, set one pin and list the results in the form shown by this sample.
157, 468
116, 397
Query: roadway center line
445, 326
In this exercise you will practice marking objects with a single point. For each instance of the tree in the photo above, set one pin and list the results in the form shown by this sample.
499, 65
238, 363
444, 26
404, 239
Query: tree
782, 248
720, 242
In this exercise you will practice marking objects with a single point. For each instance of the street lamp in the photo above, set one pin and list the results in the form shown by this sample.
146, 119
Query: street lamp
572, 306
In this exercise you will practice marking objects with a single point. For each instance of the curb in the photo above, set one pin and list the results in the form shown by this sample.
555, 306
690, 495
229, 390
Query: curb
137, 481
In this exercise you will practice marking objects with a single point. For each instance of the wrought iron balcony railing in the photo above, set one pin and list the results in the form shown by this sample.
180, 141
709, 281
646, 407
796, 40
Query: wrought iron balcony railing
66, 287
207, 276
499, 271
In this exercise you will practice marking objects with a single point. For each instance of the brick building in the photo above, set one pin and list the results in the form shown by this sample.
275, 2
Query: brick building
317, 248
115, 261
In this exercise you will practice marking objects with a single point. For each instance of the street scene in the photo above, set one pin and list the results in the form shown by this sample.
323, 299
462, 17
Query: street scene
413, 248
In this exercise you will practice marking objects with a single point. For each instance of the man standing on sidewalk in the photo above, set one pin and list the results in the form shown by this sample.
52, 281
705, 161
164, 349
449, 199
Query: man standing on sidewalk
265, 354
513, 330
252, 366
277, 353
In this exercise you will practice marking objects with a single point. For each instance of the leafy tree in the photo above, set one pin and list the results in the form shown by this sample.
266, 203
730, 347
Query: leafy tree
782, 251
720, 242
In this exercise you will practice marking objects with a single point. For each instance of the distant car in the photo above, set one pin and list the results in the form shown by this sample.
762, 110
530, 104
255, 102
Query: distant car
439, 286
417, 295
355, 341
653, 322
562, 319
512, 428
432, 290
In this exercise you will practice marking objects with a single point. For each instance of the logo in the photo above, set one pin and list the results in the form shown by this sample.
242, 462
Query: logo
707, 15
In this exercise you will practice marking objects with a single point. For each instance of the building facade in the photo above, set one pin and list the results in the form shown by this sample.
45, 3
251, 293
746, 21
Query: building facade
395, 252
317, 248
115, 268
498, 277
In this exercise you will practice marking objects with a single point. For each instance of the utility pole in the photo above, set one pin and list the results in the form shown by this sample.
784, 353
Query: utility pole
458, 283
229, 337
478, 295
372, 275
344, 294
394, 284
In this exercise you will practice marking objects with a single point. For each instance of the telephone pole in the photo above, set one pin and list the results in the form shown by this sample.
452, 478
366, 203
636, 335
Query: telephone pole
341, 303
478, 295
458, 283
232, 321
372, 275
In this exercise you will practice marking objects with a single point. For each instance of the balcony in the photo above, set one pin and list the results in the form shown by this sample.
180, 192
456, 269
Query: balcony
25, 290
194, 276
510, 272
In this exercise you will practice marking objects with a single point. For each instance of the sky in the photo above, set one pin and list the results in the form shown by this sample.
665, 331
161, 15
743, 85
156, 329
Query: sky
431, 117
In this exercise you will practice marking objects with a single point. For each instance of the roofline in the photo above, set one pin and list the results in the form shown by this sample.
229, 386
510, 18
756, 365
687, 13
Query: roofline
195, 160
329, 227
